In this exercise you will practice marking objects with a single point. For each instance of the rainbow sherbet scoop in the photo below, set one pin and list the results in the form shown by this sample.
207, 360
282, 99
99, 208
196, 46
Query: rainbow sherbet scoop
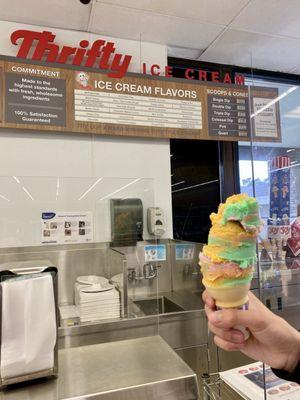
228, 259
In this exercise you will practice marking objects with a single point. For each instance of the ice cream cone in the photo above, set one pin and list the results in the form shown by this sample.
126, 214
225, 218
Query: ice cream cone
228, 260
229, 297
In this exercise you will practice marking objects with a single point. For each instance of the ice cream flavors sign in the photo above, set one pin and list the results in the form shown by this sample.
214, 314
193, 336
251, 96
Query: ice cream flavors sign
66, 227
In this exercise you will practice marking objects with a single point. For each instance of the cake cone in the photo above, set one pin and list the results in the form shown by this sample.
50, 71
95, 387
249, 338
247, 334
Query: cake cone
229, 297
234, 295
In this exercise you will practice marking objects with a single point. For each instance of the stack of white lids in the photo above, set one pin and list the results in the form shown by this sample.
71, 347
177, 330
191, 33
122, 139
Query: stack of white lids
117, 280
96, 299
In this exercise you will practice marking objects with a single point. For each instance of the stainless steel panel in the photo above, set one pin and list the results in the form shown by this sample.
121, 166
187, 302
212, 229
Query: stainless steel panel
232, 359
179, 329
71, 261
135, 259
107, 332
130, 369
186, 273
197, 359
184, 329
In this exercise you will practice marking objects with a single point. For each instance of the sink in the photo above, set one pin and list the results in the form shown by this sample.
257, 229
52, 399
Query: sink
160, 305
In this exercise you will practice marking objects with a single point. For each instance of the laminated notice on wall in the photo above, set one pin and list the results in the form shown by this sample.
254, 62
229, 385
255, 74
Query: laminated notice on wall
155, 253
67, 227
184, 251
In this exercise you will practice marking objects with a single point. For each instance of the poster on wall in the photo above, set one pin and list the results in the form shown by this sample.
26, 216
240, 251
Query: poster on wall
67, 227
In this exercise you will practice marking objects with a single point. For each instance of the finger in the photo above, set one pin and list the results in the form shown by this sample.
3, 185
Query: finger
229, 335
228, 346
208, 311
229, 318
208, 300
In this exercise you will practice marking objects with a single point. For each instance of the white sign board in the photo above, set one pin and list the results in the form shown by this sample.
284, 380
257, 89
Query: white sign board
265, 118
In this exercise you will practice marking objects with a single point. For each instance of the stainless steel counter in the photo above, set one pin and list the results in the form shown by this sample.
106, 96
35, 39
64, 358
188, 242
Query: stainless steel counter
145, 368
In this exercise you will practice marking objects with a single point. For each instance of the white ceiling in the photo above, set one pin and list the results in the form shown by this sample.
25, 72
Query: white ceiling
258, 33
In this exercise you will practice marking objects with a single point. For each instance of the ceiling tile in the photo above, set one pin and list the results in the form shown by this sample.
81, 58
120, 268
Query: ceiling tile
276, 17
183, 52
63, 37
213, 11
66, 14
261, 51
130, 24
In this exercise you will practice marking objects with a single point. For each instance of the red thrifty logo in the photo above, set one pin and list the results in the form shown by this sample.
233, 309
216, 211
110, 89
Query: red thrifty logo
86, 55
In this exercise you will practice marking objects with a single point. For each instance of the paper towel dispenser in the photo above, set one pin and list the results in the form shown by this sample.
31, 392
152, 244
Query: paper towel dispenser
126, 221
28, 300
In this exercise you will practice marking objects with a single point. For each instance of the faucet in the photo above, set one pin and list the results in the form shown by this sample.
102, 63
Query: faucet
150, 271
131, 274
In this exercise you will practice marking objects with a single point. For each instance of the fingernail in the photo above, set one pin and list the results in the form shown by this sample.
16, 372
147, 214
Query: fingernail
216, 317
238, 337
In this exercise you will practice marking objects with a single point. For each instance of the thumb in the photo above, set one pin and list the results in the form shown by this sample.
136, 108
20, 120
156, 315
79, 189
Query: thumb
229, 318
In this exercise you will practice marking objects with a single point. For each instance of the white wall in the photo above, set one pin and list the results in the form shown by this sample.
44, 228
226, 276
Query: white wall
24, 153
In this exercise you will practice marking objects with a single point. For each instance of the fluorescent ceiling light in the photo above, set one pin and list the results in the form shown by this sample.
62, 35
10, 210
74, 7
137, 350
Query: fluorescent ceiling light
119, 190
199, 184
90, 188
57, 188
295, 165
23, 188
4, 198
27, 192
290, 166
178, 183
290, 90
294, 113
16, 179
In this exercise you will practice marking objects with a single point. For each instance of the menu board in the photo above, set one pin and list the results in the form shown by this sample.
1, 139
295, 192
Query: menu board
46, 98
228, 112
